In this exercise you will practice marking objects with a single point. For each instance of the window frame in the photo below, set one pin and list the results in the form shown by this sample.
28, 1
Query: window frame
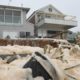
5, 9
3, 15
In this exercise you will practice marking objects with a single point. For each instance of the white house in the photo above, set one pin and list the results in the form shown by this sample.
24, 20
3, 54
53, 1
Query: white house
50, 22
13, 22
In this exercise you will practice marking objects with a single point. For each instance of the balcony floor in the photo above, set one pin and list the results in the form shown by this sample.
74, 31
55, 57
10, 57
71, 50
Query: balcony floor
55, 26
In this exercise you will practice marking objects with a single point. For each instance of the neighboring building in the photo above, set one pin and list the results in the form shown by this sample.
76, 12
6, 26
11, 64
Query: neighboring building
13, 22
50, 22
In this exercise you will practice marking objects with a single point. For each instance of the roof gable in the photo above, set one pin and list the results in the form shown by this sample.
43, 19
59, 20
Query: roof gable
50, 9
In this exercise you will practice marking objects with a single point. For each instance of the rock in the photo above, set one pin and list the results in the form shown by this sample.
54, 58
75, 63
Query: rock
39, 78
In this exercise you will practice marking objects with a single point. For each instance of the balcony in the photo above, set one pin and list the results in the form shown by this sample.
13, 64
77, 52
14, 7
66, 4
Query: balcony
62, 22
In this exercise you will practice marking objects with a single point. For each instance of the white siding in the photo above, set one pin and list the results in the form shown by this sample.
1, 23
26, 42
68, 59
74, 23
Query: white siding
43, 31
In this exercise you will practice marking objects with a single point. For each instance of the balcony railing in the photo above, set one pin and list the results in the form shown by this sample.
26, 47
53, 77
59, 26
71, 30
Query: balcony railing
72, 23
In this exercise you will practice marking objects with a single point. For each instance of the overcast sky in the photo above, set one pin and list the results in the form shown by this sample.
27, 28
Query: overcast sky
68, 7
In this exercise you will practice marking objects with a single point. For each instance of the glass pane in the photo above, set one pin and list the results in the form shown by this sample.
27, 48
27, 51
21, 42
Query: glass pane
17, 13
8, 16
22, 34
51, 32
1, 15
16, 17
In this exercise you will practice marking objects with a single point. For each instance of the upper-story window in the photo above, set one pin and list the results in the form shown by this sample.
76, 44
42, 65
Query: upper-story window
1, 16
16, 17
10, 16
50, 9
48, 16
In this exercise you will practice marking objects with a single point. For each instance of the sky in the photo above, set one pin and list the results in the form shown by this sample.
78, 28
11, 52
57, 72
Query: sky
68, 7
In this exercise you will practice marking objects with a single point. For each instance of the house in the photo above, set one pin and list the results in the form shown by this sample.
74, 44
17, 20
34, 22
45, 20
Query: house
50, 22
13, 22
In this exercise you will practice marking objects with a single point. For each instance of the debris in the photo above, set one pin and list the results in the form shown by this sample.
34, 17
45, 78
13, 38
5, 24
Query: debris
59, 62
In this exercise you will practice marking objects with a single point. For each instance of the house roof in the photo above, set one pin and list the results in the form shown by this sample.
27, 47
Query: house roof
45, 10
50, 6
15, 7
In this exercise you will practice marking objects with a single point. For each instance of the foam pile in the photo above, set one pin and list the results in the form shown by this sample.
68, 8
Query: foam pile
65, 60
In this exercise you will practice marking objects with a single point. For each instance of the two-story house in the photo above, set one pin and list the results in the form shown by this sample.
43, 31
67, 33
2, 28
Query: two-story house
13, 22
50, 22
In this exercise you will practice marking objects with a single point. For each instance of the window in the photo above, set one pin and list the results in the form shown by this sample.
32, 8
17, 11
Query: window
27, 34
48, 16
50, 9
51, 32
16, 17
1, 15
8, 16
24, 34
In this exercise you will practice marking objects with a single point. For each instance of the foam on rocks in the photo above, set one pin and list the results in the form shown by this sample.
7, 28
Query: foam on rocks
62, 61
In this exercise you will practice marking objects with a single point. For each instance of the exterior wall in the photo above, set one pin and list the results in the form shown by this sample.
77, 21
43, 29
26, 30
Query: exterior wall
28, 27
43, 30
23, 17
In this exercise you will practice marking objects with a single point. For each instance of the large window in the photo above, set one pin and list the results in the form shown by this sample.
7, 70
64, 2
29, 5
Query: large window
1, 16
10, 16
16, 17
51, 33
